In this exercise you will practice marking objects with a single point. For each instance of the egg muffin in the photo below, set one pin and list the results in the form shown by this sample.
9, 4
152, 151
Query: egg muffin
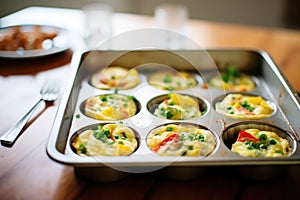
232, 80
110, 107
106, 140
181, 140
115, 77
172, 80
178, 107
241, 106
260, 143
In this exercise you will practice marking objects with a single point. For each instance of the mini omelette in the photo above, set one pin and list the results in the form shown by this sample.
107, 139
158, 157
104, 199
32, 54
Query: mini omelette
258, 143
241, 106
107, 140
115, 77
168, 80
181, 140
232, 80
178, 107
110, 107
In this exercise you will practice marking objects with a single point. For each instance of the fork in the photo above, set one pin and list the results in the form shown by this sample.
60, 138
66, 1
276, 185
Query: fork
48, 93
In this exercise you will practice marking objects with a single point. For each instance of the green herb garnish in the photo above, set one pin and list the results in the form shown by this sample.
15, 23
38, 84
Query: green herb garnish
82, 148
190, 147
272, 142
168, 114
116, 137
131, 98
99, 134
169, 128
200, 137
107, 133
230, 74
103, 98
246, 105
263, 137
279, 151
167, 79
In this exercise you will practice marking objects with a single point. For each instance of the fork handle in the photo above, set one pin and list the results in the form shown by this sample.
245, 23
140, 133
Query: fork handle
11, 135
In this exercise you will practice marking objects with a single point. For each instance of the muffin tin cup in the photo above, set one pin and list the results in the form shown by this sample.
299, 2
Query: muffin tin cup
153, 104
106, 95
188, 124
94, 127
246, 117
269, 84
230, 133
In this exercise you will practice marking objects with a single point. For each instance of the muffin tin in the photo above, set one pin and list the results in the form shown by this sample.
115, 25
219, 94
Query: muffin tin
203, 65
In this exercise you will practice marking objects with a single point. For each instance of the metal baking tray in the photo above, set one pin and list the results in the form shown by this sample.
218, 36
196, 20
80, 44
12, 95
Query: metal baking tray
203, 64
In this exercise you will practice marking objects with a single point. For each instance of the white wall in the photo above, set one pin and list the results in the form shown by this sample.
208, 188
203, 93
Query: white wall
253, 12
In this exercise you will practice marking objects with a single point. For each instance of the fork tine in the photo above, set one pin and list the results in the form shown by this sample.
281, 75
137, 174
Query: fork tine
44, 88
50, 90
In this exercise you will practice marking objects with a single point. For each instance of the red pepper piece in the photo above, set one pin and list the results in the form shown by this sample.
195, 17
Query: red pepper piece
245, 136
166, 102
102, 79
171, 137
111, 135
248, 112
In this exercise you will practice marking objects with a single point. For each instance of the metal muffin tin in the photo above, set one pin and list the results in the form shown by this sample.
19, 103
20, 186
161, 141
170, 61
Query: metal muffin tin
270, 84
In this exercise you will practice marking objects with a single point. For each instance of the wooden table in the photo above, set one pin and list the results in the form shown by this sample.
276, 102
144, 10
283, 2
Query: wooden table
26, 172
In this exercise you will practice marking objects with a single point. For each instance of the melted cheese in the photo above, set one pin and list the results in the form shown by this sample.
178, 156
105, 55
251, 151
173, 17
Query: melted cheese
241, 106
110, 107
120, 141
189, 141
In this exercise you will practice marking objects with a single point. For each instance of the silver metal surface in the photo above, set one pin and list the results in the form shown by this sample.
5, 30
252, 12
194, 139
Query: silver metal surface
269, 80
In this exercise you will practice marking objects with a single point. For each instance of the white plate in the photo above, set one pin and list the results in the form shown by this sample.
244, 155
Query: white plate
58, 44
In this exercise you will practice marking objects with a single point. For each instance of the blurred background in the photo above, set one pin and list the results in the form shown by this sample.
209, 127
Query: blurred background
268, 13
